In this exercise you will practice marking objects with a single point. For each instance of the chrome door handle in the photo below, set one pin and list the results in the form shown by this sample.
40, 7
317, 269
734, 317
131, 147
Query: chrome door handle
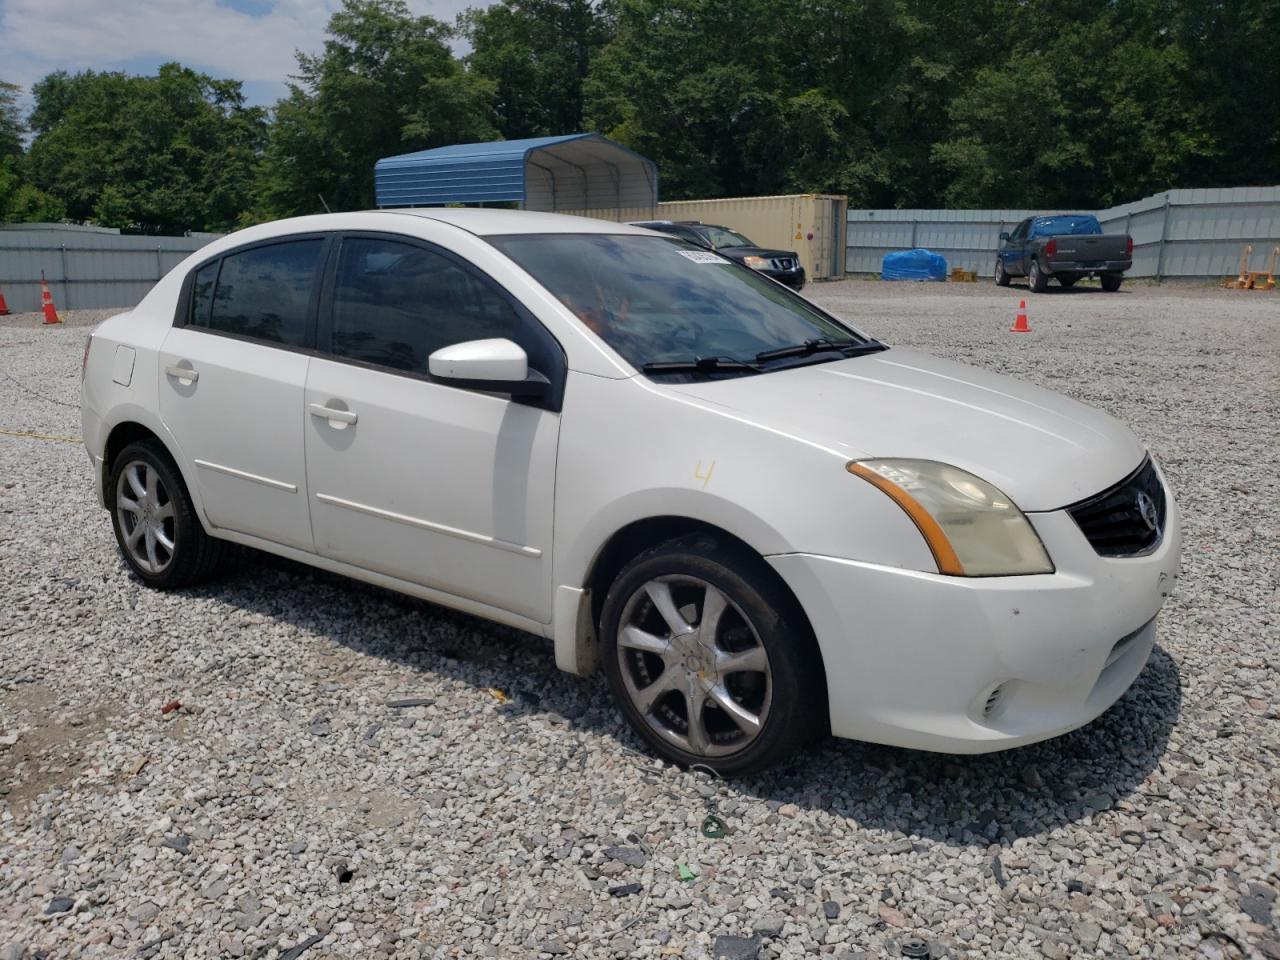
333, 415
185, 374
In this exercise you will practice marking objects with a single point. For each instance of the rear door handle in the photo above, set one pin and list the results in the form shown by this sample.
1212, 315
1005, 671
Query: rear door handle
184, 374
338, 419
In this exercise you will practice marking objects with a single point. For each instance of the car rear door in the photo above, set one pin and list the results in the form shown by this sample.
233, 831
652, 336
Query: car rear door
445, 487
232, 374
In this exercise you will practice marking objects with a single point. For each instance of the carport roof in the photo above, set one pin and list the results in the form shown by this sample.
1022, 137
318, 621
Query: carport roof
579, 171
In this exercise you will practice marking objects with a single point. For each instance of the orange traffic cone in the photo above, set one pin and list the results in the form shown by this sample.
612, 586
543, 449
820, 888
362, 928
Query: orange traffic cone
4, 307
1020, 323
46, 302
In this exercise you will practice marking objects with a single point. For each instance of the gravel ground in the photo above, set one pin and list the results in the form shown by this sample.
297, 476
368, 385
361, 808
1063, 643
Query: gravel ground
287, 805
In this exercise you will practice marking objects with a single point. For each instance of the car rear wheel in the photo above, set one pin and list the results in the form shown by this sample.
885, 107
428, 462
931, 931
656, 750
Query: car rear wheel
1111, 282
710, 659
155, 524
1036, 280
1002, 278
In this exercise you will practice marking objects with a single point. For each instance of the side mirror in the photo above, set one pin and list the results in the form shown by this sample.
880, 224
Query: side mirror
1004, 236
496, 366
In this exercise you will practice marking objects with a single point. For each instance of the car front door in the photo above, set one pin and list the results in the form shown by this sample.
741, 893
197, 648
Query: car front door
1013, 251
232, 373
449, 488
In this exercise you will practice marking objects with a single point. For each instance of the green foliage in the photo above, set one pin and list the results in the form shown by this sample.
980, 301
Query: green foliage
537, 54
164, 154
1038, 103
386, 83
11, 126
1083, 115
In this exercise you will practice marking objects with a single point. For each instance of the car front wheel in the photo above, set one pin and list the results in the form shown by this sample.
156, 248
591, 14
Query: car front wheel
155, 523
1002, 278
710, 659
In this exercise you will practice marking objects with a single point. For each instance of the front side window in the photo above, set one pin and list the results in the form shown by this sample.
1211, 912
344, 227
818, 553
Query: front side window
658, 300
1021, 232
263, 292
394, 304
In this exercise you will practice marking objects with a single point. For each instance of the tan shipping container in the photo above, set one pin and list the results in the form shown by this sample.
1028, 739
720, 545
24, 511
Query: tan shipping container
811, 224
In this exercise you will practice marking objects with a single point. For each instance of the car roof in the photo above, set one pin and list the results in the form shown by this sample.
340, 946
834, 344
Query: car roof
488, 223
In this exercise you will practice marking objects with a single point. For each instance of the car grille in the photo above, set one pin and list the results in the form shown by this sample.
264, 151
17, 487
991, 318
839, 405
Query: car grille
783, 263
1128, 519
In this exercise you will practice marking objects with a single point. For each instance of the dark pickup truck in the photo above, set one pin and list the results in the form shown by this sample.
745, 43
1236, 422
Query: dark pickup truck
1066, 248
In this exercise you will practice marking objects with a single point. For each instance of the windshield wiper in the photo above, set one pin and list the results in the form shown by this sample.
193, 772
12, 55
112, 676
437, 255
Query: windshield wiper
850, 348
701, 365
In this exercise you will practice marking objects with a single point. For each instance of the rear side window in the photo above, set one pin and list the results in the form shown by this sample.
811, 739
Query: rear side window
394, 304
264, 292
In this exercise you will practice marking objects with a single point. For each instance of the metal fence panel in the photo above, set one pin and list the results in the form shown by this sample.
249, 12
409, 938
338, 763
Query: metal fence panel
1181, 233
86, 267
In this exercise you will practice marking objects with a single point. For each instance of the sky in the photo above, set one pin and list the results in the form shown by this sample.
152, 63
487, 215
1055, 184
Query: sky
248, 40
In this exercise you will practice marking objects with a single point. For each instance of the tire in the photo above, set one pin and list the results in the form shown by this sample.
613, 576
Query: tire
1036, 280
1002, 278
160, 536
1111, 281
778, 692
1068, 282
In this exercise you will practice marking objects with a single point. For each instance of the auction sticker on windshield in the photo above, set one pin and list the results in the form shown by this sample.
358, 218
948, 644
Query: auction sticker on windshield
701, 256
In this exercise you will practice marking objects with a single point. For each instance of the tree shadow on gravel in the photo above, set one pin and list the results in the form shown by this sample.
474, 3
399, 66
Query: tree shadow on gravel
958, 800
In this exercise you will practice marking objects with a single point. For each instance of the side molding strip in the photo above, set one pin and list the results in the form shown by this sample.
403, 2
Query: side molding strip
242, 475
481, 538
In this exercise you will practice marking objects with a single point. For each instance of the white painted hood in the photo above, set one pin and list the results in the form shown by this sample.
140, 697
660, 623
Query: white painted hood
1042, 449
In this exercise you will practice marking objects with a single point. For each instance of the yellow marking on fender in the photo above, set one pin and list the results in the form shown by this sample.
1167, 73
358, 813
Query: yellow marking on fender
699, 475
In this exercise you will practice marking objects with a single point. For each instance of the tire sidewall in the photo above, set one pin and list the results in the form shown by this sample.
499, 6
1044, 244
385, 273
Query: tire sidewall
1035, 279
186, 526
786, 642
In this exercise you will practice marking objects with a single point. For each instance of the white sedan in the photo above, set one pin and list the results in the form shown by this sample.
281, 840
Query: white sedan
760, 521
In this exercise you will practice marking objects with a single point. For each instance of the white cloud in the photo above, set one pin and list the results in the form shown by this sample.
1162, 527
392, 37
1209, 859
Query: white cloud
40, 36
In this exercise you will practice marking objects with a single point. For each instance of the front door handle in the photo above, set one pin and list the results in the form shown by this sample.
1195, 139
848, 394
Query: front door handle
184, 375
338, 419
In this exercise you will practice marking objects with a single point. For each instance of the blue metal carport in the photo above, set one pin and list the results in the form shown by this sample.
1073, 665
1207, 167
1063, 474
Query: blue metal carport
580, 171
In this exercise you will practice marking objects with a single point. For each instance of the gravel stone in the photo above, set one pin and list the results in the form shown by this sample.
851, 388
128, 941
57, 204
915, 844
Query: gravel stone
735, 948
631, 856
770, 925
490, 821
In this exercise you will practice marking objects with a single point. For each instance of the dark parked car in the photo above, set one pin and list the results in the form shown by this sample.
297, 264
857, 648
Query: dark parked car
781, 265
1066, 248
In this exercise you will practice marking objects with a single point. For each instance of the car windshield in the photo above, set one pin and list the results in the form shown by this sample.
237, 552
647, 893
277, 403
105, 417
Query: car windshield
662, 300
720, 237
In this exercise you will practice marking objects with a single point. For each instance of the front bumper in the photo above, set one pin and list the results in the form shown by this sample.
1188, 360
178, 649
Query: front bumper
975, 665
794, 279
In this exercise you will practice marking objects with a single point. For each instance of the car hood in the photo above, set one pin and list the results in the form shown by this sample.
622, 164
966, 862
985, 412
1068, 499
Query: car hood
1043, 450
737, 253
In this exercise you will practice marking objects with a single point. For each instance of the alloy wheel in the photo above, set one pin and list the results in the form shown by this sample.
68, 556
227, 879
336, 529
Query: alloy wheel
693, 666
146, 515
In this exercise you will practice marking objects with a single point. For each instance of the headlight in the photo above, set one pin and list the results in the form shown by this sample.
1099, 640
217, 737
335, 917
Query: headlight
756, 263
972, 528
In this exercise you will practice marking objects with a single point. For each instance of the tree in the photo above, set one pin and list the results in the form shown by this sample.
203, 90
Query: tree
20, 202
12, 128
386, 83
1100, 118
537, 54
164, 154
